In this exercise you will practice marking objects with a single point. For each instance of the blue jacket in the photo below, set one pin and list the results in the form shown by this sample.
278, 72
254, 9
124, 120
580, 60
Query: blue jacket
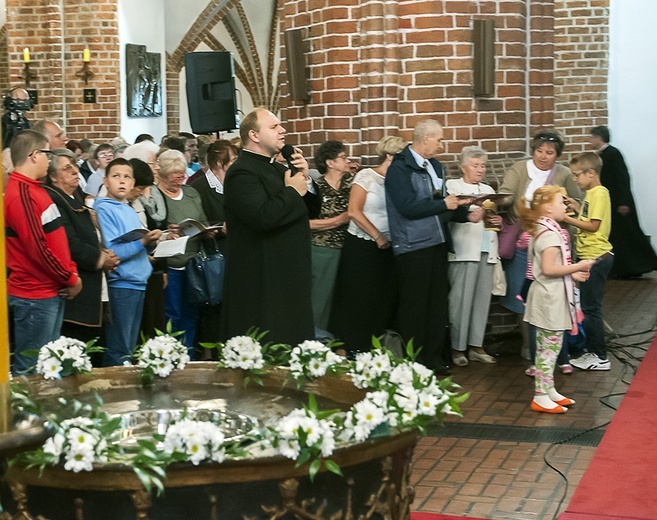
115, 219
416, 217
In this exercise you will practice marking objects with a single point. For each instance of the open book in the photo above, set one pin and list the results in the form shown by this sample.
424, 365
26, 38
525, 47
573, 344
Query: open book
166, 248
131, 236
190, 227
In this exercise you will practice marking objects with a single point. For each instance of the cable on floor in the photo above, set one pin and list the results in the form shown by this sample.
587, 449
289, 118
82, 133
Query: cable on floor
627, 367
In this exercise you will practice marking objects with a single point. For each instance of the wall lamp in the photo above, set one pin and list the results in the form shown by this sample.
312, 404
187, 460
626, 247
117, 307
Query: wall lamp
84, 72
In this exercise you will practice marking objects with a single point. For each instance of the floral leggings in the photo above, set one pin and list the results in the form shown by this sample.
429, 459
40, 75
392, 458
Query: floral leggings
548, 345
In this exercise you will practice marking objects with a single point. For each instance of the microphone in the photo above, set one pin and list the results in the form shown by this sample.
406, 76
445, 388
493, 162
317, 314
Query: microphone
287, 152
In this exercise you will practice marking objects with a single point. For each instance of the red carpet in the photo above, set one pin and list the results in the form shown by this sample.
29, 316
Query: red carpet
621, 479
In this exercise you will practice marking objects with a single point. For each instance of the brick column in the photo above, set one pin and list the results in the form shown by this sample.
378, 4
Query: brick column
379, 74
541, 65
581, 68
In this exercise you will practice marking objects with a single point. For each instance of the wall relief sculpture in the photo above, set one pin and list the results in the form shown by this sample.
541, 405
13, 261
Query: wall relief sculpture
144, 81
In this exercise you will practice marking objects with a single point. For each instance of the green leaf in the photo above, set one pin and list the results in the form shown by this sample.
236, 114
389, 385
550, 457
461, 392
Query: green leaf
314, 468
333, 467
312, 403
143, 477
303, 457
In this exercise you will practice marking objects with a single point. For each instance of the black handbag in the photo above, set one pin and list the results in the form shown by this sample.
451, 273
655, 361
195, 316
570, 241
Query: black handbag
205, 278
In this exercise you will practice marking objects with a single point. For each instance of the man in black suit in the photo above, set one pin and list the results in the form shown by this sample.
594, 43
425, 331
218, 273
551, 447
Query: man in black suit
633, 253
268, 277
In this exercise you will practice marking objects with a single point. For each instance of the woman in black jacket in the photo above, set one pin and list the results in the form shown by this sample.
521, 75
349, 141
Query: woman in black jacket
84, 314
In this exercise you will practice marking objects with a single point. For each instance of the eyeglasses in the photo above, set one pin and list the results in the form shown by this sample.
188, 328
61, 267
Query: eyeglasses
105, 155
68, 168
47, 152
577, 174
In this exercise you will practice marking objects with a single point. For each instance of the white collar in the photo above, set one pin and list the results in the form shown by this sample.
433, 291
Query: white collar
214, 182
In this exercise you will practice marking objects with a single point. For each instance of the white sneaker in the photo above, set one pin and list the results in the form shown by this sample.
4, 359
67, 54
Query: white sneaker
590, 361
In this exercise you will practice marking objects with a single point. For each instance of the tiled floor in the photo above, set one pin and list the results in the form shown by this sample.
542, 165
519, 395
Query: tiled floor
500, 473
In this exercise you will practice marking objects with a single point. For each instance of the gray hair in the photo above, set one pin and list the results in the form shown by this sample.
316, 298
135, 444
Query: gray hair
472, 152
426, 127
143, 151
171, 161
57, 155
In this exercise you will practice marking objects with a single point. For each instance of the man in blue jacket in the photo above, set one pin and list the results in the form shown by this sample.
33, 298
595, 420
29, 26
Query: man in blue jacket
418, 211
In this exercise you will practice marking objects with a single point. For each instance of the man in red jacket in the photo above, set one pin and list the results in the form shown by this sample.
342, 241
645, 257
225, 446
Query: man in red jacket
41, 272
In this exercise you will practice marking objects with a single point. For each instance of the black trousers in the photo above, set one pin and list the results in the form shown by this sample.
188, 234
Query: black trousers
422, 313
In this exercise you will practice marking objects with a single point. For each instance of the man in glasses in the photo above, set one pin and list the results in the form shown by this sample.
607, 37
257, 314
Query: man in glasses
41, 272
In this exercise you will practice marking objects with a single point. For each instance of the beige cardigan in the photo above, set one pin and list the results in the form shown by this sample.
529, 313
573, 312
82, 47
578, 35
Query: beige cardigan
516, 181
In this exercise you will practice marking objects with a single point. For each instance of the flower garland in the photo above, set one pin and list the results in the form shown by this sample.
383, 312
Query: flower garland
402, 395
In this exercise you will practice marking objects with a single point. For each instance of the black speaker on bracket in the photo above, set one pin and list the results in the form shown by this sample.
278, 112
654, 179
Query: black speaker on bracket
211, 91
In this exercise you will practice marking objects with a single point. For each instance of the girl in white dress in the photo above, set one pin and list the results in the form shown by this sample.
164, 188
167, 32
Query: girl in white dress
551, 304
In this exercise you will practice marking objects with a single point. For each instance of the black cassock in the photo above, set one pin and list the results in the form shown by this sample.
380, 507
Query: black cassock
633, 254
268, 276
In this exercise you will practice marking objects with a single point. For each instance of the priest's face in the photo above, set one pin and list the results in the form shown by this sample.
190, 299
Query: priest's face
271, 136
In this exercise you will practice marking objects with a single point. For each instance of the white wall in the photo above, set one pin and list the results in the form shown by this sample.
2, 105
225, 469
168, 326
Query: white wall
142, 23
632, 106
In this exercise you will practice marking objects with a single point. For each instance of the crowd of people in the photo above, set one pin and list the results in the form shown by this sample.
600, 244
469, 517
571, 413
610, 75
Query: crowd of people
338, 252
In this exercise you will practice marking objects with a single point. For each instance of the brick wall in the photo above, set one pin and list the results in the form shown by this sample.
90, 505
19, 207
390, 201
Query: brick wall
379, 66
376, 66
580, 76
4, 60
56, 38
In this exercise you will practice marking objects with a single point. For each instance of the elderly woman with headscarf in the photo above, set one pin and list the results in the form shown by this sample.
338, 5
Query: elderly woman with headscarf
471, 265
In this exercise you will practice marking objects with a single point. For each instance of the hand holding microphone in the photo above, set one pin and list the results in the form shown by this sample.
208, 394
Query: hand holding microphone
295, 160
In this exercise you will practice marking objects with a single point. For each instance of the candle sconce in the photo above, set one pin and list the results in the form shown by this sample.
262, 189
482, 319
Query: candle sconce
28, 75
84, 72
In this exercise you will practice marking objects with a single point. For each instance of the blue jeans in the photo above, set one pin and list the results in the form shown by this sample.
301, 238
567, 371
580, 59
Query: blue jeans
183, 315
127, 306
591, 293
36, 322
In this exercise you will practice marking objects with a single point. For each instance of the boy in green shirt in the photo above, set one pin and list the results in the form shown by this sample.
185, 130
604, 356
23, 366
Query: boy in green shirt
593, 224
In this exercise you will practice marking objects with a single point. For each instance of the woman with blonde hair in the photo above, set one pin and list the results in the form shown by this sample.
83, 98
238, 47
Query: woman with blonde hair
551, 305
366, 288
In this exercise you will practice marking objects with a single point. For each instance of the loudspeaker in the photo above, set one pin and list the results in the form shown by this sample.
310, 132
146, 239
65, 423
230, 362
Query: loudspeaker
211, 91
297, 71
483, 38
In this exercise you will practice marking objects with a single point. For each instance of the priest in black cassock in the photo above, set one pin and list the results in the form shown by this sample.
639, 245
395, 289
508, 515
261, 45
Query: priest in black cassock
633, 253
268, 276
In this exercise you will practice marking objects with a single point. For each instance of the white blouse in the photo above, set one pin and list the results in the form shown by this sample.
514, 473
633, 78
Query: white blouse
375, 203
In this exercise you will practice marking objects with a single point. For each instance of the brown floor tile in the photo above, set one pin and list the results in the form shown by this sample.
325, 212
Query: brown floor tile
508, 479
